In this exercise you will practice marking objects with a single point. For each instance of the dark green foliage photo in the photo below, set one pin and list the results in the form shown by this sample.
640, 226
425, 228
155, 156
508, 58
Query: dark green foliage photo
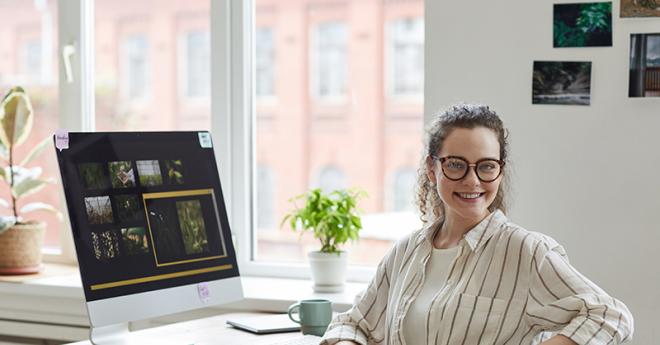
192, 225
128, 208
174, 170
135, 241
333, 217
582, 25
94, 175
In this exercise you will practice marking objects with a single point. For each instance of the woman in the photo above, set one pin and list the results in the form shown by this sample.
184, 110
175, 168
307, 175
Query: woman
470, 276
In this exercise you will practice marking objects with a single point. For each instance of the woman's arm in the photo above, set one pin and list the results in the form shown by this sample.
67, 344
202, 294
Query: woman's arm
363, 321
562, 300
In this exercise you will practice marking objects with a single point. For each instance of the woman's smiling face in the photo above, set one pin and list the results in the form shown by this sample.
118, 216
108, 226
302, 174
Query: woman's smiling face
468, 198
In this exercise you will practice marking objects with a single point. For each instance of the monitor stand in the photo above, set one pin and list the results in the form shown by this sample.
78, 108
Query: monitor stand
116, 334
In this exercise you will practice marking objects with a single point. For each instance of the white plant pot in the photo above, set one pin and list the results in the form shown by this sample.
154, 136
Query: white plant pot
328, 271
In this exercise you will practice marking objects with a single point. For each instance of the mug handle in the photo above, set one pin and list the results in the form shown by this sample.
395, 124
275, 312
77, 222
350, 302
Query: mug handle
294, 309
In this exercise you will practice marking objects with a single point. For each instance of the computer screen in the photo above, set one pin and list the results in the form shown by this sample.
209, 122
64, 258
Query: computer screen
149, 223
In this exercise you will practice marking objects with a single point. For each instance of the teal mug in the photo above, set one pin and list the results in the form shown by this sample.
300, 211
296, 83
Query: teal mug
314, 315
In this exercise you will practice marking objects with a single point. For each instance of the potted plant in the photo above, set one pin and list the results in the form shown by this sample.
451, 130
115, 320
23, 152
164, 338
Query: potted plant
20, 239
333, 219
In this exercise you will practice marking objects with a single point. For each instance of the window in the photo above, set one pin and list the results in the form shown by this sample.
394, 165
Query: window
365, 147
197, 59
135, 71
331, 178
264, 62
330, 61
31, 61
152, 68
403, 187
406, 44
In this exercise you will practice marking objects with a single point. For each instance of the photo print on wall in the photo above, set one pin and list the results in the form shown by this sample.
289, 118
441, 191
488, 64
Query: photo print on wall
561, 82
644, 78
582, 25
640, 8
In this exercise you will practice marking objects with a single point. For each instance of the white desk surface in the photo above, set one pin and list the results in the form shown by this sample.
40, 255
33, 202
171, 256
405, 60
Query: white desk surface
207, 331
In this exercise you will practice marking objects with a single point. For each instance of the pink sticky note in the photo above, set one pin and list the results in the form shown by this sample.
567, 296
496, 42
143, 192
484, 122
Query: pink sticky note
204, 292
61, 139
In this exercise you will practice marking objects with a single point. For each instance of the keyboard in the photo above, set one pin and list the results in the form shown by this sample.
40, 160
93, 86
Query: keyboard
301, 340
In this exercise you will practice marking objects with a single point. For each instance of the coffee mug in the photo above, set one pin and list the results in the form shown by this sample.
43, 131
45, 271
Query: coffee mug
314, 314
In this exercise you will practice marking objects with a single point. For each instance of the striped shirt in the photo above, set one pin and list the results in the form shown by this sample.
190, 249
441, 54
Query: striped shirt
507, 285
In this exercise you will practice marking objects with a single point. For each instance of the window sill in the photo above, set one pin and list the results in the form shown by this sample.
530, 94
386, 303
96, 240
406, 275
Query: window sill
53, 302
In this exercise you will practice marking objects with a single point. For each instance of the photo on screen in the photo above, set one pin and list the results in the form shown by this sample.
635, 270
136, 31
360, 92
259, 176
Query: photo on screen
99, 210
183, 226
128, 208
135, 240
121, 174
644, 78
94, 175
174, 171
582, 25
105, 245
561, 82
193, 229
640, 8
149, 172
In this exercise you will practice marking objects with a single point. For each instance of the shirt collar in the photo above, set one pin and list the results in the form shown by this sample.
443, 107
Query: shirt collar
478, 235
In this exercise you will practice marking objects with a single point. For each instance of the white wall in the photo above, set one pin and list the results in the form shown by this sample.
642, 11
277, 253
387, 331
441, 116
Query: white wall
589, 176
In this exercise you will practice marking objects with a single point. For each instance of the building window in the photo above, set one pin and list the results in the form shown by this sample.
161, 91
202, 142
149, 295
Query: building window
197, 67
31, 66
265, 62
266, 197
403, 187
329, 61
135, 52
331, 178
406, 41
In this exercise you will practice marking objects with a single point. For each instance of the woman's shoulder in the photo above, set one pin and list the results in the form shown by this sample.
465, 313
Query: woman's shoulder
536, 243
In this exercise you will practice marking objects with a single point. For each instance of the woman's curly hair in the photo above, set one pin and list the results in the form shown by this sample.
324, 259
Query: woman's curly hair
458, 116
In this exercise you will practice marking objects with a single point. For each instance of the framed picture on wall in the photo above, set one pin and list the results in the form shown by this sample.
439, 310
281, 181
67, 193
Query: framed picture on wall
582, 25
644, 78
640, 8
561, 82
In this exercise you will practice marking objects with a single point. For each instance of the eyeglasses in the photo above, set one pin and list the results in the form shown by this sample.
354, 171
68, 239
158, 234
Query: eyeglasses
456, 168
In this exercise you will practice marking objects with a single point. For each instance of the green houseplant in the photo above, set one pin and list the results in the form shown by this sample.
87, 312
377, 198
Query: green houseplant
333, 219
20, 239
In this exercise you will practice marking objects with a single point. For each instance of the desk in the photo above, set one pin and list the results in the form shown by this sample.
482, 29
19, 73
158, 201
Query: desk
206, 331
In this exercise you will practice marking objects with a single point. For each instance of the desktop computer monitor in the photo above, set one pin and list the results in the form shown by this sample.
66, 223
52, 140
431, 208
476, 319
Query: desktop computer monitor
149, 225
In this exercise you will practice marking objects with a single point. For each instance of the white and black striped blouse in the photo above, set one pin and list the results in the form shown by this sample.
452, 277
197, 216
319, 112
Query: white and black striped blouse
507, 285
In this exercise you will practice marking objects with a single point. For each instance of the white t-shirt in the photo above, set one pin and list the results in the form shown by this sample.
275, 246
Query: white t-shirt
437, 270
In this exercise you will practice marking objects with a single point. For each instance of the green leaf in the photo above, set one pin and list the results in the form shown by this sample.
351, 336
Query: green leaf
28, 187
40, 206
15, 117
34, 153
6, 222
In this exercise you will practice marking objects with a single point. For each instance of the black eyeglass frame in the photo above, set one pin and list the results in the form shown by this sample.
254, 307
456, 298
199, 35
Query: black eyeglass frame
469, 165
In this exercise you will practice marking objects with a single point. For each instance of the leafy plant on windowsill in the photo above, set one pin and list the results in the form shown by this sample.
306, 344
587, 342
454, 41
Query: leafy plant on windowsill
16, 117
332, 218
